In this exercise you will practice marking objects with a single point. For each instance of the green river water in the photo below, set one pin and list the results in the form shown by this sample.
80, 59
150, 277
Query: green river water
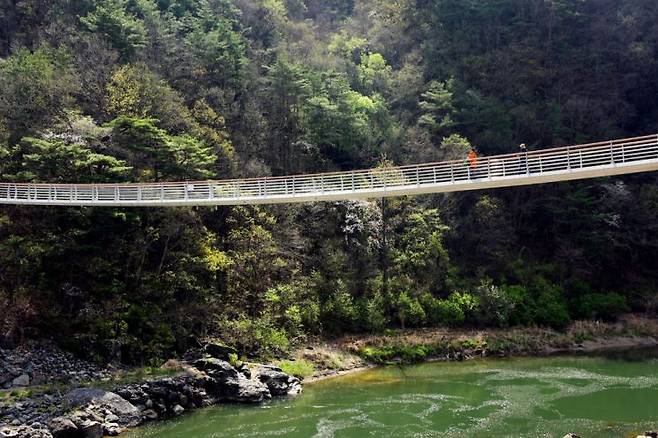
595, 396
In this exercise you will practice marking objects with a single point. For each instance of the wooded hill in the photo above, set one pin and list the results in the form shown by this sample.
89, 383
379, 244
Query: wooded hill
145, 90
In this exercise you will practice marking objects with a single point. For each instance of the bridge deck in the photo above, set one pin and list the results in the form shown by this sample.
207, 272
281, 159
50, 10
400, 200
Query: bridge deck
614, 157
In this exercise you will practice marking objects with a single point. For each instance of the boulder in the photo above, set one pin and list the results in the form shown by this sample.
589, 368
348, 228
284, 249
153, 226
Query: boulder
220, 351
250, 391
278, 382
91, 429
244, 369
128, 415
7, 433
571, 435
177, 410
217, 368
112, 429
63, 427
22, 380
150, 415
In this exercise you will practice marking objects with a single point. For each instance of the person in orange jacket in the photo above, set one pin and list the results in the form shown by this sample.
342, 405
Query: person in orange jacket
472, 159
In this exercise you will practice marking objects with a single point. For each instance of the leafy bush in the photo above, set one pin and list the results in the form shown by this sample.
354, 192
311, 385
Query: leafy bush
339, 312
300, 368
601, 306
375, 315
495, 306
550, 307
522, 311
409, 311
255, 336
452, 311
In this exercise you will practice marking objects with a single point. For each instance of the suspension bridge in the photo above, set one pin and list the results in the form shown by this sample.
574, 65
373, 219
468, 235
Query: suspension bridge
614, 157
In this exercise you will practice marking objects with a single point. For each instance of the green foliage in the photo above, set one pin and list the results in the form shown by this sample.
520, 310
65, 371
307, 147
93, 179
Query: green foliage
437, 106
494, 305
155, 154
58, 161
550, 307
605, 307
452, 312
339, 313
408, 311
121, 28
299, 368
376, 313
36, 88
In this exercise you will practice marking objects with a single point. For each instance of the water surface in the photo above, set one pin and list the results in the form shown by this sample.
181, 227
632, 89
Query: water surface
604, 396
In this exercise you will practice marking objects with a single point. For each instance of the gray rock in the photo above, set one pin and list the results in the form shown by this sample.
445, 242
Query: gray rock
91, 429
217, 368
63, 427
178, 409
128, 415
251, 391
278, 382
150, 414
220, 351
244, 369
7, 433
112, 429
111, 418
22, 380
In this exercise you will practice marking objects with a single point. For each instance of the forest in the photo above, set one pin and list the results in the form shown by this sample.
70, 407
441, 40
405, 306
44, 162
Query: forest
171, 90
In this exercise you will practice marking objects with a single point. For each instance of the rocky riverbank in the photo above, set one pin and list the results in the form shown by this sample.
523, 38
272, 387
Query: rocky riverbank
87, 412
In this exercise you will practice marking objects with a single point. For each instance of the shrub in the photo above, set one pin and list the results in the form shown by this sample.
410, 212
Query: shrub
375, 315
452, 311
340, 312
522, 311
550, 308
495, 306
409, 310
300, 368
254, 336
601, 306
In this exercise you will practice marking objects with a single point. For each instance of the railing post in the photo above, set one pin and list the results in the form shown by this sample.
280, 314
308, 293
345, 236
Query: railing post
434, 172
353, 186
580, 153
623, 153
568, 158
541, 167
612, 154
452, 171
417, 177
489, 168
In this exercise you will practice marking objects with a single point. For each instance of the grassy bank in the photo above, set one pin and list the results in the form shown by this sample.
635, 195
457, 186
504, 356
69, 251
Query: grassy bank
410, 346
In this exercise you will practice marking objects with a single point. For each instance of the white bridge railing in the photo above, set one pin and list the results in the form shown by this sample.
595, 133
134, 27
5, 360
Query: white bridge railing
613, 157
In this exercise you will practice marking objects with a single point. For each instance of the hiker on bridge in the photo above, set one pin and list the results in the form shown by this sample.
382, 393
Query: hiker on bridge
472, 159
523, 158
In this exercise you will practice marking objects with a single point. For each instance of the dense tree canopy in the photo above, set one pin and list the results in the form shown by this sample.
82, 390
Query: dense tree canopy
156, 90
